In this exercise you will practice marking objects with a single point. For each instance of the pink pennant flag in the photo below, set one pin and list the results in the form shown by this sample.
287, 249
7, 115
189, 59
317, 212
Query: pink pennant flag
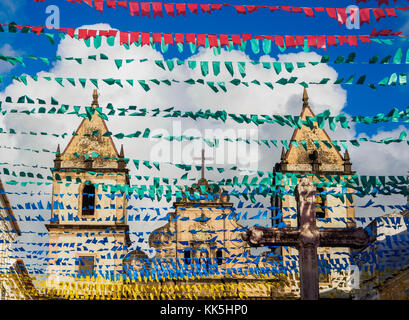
299, 40
321, 44
201, 40
279, 40
289, 41
236, 38
390, 12
168, 38
312, 41
145, 38
332, 41
157, 37
224, 39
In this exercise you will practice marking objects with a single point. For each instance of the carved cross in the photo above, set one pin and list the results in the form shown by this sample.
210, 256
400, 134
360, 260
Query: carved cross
203, 162
307, 238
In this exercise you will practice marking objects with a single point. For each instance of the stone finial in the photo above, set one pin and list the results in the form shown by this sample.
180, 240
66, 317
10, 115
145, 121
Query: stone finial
95, 97
57, 160
347, 162
121, 161
305, 98
284, 162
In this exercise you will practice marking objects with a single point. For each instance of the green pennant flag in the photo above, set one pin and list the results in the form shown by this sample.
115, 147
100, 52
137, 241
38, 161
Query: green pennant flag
204, 66
229, 67
242, 68
216, 67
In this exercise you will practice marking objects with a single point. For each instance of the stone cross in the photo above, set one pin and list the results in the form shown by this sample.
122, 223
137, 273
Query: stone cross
203, 162
307, 238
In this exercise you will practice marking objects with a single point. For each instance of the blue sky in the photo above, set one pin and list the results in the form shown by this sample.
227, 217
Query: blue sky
361, 99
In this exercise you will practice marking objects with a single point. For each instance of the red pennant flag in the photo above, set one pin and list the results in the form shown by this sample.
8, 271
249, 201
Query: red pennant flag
273, 8
192, 7
240, 9
296, 9
353, 41
364, 16
190, 38
170, 9
180, 9
157, 9
374, 33
236, 38
279, 40
180, 38
289, 41
213, 40
246, 37
146, 9
216, 6
111, 4
99, 4
157, 37
308, 11
364, 39
258, 37
38, 30
168, 38
331, 13
342, 40
83, 34
201, 40
299, 40
123, 37
383, 1
251, 9
390, 12
319, 9
285, 8
224, 39
205, 8
88, 2
342, 15
91, 33
122, 4
332, 41
134, 8
378, 13
321, 44
145, 38
269, 37
312, 41
134, 37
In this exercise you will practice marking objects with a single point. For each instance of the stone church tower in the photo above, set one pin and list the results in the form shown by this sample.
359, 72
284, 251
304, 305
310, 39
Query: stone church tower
323, 160
88, 231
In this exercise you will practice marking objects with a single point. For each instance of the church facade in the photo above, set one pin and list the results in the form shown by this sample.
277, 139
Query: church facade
201, 249
88, 231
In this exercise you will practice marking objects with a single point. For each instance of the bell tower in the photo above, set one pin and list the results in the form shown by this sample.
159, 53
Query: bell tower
316, 156
88, 230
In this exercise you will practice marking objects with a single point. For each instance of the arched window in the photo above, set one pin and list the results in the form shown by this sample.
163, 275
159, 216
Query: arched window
88, 200
320, 202
219, 256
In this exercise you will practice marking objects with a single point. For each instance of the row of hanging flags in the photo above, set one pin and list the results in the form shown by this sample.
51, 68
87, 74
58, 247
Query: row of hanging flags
157, 9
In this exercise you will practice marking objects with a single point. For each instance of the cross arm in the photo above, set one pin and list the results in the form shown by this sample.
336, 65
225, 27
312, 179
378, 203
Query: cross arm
352, 238
260, 236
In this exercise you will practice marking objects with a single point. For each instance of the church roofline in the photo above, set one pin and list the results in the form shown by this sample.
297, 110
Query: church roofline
305, 107
94, 103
